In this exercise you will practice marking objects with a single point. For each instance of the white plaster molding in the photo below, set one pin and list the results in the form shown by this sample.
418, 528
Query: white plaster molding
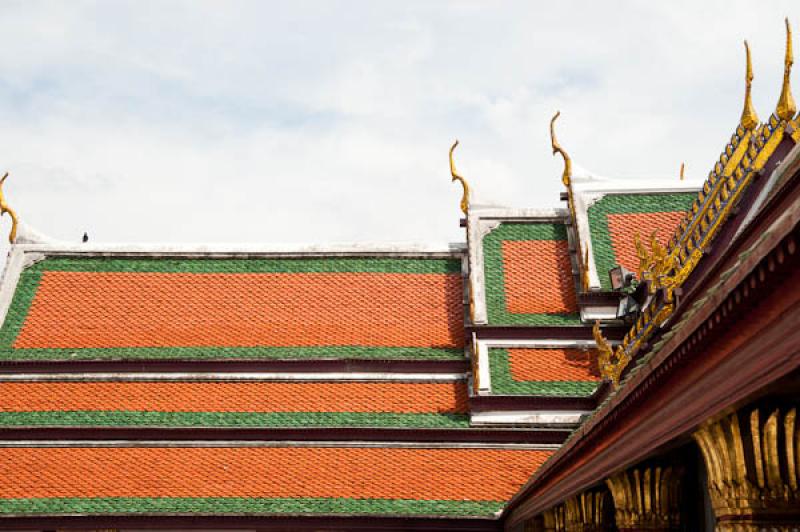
481, 222
590, 314
484, 373
484, 344
17, 260
251, 250
539, 343
549, 418
26, 234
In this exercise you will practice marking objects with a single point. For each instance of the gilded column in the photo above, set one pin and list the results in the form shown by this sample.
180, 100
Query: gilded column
647, 498
753, 470
586, 512
555, 519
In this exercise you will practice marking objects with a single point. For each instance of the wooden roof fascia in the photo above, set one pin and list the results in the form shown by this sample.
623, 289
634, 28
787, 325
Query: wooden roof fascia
455, 437
310, 523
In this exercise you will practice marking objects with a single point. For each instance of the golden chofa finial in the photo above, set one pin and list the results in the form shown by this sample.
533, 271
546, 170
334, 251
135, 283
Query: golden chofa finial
4, 208
456, 177
683, 170
786, 107
749, 119
567, 175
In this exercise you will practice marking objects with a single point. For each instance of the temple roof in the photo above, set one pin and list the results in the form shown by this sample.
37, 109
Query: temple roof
459, 370
208, 479
233, 401
544, 371
112, 307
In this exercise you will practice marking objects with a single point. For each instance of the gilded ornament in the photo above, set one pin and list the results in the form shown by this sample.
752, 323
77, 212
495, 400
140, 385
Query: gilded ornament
586, 512
683, 170
786, 106
585, 271
752, 468
647, 498
4, 208
668, 268
610, 362
643, 255
456, 177
749, 118
566, 176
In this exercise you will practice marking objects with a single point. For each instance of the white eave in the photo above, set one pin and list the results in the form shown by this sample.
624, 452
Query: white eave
589, 188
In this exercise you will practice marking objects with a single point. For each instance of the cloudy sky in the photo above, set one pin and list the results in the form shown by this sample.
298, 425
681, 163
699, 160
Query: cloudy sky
330, 121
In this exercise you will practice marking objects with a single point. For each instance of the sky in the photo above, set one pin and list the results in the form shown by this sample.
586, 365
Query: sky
305, 122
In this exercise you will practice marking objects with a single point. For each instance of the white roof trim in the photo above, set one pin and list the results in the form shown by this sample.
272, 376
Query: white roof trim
248, 250
588, 189
481, 222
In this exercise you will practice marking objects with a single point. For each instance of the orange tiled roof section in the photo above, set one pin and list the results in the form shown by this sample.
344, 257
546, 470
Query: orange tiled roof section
553, 364
73, 309
537, 276
445, 397
391, 473
623, 227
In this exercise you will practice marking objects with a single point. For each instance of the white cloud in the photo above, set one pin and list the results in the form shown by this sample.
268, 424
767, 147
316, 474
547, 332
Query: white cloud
330, 121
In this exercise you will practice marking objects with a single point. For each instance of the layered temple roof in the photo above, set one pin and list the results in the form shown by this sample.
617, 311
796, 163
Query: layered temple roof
261, 480
267, 308
231, 403
361, 381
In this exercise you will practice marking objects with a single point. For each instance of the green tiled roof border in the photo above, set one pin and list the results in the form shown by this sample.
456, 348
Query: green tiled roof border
105, 418
494, 274
504, 384
236, 353
602, 247
245, 505
251, 265
30, 278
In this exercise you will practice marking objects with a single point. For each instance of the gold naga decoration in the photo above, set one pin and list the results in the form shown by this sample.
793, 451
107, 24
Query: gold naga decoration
787, 108
749, 116
610, 361
566, 178
457, 177
655, 265
4, 208
667, 267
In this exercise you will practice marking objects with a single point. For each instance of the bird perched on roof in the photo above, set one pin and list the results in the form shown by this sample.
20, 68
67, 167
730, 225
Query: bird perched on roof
85, 237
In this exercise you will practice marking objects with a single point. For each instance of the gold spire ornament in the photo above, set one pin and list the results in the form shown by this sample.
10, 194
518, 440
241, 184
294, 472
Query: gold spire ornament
567, 175
683, 169
4, 208
786, 107
749, 116
456, 177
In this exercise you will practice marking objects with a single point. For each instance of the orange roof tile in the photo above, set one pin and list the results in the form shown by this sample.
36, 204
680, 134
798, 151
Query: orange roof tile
398, 397
389, 473
623, 227
537, 276
555, 364
76, 309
